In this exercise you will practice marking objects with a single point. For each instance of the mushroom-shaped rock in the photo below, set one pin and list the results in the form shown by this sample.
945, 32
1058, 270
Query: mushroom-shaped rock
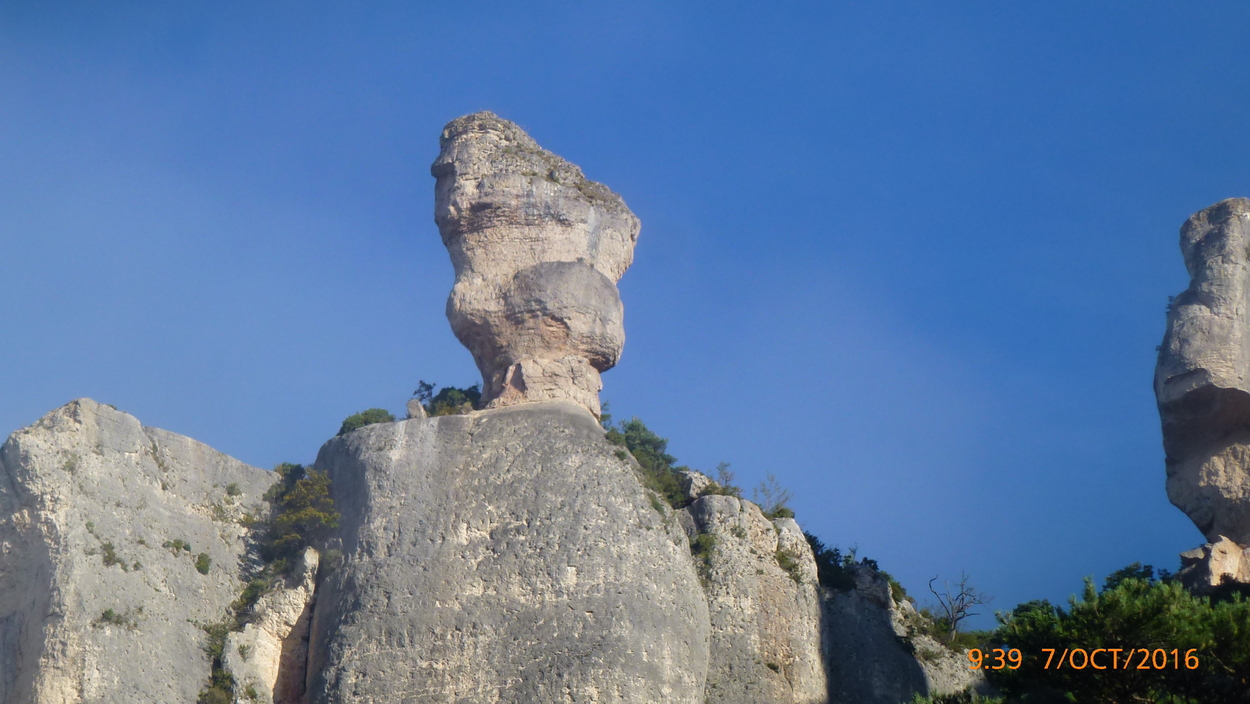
537, 251
1202, 381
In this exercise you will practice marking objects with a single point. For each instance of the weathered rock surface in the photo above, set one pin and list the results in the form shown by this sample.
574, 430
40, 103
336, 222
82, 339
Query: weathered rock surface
874, 656
537, 250
269, 657
503, 556
1201, 381
1204, 569
765, 618
92, 607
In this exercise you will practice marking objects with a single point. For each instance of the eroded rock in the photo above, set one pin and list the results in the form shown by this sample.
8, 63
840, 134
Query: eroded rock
268, 658
537, 251
1201, 379
874, 653
759, 578
506, 556
101, 522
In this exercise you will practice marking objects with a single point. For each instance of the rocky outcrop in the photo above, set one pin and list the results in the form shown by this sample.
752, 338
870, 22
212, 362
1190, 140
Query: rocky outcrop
537, 251
502, 556
1201, 380
268, 658
763, 599
102, 522
874, 654
1208, 567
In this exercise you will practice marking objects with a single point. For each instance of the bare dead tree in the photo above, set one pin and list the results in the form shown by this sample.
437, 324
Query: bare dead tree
957, 604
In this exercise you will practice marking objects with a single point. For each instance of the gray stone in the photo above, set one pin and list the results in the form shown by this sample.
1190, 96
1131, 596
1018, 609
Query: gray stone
269, 656
1206, 568
693, 483
765, 643
416, 410
873, 653
537, 251
503, 556
88, 496
1201, 379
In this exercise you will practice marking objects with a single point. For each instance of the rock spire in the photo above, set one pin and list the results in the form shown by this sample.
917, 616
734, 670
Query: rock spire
1202, 381
537, 250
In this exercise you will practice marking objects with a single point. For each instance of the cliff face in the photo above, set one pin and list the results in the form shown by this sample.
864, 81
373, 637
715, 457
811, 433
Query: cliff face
93, 608
506, 556
1202, 385
765, 618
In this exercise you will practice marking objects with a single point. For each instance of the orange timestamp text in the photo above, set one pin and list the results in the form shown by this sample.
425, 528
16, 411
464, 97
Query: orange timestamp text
1093, 658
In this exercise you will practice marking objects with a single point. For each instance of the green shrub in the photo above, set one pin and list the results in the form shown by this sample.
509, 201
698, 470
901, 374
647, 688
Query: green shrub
203, 562
656, 466
1133, 610
702, 547
357, 421
220, 688
451, 401
303, 513
232, 489
788, 562
176, 546
773, 499
109, 554
961, 698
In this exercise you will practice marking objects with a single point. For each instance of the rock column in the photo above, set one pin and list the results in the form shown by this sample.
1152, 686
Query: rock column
537, 250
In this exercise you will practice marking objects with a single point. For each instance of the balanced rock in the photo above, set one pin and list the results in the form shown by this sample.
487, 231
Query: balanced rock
117, 542
1202, 381
537, 251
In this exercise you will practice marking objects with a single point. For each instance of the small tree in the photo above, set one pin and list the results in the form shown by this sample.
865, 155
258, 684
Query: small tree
956, 604
773, 498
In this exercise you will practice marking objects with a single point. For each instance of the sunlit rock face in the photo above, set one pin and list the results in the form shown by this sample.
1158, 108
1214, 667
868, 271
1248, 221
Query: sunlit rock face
1201, 378
537, 250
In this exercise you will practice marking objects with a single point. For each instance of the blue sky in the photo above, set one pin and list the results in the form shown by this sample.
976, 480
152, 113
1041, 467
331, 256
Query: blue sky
912, 258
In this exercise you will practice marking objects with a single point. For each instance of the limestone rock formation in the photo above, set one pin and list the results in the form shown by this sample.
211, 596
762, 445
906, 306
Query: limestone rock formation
537, 251
873, 653
504, 556
269, 657
1202, 381
759, 579
101, 523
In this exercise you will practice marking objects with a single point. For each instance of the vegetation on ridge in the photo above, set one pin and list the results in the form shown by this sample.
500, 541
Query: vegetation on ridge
301, 515
449, 400
356, 421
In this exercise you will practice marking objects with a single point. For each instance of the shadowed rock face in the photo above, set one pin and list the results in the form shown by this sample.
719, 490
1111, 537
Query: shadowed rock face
1201, 378
537, 251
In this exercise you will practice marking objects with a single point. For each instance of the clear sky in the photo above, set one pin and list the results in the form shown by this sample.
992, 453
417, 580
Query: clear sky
912, 258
